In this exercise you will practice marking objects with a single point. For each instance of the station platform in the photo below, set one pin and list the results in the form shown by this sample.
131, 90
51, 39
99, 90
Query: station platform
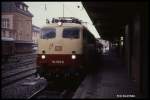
110, 81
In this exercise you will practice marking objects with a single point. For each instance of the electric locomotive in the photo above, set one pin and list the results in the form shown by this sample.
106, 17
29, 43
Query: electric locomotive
62, 48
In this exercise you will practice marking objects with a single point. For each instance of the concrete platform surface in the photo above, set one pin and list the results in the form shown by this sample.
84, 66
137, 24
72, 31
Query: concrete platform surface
111, 81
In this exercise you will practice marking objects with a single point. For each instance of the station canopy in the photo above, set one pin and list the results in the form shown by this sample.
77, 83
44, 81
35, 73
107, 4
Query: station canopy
109, 18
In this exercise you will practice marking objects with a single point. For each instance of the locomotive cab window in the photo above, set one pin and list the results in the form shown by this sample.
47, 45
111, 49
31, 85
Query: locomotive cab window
71, 33
48, 33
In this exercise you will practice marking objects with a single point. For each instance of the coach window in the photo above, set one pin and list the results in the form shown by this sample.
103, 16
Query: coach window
71, 33
48, 33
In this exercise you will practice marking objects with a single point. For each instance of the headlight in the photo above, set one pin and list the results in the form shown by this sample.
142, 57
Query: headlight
73, 56
43, 56
59, 23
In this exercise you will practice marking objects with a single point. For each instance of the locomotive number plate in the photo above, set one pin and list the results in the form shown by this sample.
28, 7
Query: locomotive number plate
57, 61
58, 48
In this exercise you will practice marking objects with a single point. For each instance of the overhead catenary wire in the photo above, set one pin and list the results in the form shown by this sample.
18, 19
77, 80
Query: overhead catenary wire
68, 9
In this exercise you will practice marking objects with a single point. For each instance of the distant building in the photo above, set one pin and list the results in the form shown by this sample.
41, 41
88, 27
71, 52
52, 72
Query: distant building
16, 21
36, 32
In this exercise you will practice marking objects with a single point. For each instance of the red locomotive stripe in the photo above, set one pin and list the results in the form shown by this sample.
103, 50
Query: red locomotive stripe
59, 59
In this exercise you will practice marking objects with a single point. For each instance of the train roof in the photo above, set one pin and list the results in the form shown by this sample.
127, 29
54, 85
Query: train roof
64, 25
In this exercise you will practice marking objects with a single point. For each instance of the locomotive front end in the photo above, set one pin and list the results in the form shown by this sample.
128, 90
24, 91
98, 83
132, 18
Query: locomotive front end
60, 50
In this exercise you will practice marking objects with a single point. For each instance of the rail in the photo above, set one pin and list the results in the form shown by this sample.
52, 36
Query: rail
12, 66
57, 89
37, 92
17, 76
14, 72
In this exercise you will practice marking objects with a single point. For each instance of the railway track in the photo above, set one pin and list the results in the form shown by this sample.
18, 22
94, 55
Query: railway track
57, 90
24, 88
37, 92
19, 58
17, 75
12, 66
46, 93
15, 71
